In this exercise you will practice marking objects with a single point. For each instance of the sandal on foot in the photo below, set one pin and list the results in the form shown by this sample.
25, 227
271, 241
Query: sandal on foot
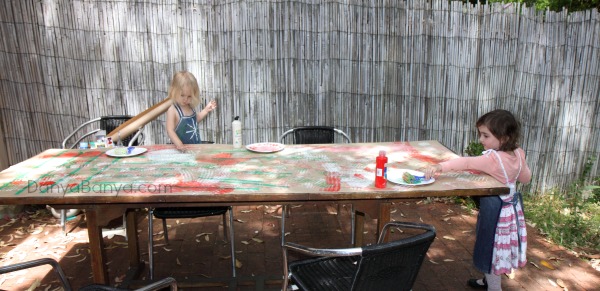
474, 283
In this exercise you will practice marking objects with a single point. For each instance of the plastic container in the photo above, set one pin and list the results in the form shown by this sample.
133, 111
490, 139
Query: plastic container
380, 170
236, 128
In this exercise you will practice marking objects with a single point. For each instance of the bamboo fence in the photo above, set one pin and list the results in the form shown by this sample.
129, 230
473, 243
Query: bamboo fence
380, 70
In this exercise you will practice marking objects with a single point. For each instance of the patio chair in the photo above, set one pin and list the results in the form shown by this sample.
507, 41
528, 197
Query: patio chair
315, 135
107, 123
158, 285
312, 135
383, 266
189, 212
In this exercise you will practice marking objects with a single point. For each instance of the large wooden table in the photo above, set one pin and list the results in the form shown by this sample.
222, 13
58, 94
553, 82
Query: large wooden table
217, 174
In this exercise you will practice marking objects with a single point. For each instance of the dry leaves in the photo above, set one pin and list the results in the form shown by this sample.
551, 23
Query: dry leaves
448, 237
547, 264
331, 210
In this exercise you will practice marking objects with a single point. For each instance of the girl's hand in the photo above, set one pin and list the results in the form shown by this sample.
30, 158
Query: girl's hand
212, 105
432, 170
180, 147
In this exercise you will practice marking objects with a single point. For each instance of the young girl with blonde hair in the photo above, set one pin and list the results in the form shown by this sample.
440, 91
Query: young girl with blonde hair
182, 118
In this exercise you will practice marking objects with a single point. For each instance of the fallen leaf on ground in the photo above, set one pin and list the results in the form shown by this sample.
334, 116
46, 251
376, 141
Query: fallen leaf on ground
168, 250
34, 285
552, 283
561, 283
258, 240
246, 211
119, 279
448, 260
331, 210
178, 262
432, 261
245, 242
238, 264
239, 220
535, 265
448, 237
547, 265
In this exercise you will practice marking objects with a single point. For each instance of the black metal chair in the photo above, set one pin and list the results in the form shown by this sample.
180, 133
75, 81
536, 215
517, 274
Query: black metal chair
158, 285
107, 123
383, 266
315, 135
189, 212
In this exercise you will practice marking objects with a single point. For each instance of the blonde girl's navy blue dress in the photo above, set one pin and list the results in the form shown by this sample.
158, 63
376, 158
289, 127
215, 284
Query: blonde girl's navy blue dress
187, 127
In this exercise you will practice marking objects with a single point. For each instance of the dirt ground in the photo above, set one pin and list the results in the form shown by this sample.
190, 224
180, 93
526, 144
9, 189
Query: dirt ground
197, 251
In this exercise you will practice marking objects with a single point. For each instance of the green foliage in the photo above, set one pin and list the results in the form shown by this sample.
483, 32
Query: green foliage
474, 149
570, 218
553, 5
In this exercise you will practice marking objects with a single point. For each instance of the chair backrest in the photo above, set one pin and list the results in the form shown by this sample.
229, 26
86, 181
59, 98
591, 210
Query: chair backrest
107, 123
393, 265
312, 135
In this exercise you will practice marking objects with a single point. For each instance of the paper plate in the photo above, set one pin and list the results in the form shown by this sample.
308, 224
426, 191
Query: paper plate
122, 152
265, 147
395, 176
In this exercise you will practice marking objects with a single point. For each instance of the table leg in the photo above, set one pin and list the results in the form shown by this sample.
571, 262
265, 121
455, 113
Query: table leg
359, 222
97, 253
132, 239
385, 209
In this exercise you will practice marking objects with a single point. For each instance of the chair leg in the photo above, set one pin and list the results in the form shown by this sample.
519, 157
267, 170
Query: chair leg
63, 220
352, 224
164, 223
150, 244
283, 211
125, 226
225, 225
232, 240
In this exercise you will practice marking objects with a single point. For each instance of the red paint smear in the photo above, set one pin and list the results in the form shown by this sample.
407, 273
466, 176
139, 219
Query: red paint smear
72, 185
223, 156
335, 182
417, 155
17, 182
46, 183
197, 186
68, 155
222, 159
360, 176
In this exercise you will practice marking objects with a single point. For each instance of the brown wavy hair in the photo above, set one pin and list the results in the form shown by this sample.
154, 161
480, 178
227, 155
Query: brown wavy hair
504, 126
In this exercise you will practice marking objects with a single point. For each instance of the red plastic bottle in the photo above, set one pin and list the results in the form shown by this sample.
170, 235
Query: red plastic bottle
380, 169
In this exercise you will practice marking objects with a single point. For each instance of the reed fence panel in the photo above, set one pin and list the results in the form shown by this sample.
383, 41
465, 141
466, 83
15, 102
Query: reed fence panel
382, 71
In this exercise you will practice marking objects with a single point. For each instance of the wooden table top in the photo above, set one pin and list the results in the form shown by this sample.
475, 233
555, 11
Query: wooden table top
220, 173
